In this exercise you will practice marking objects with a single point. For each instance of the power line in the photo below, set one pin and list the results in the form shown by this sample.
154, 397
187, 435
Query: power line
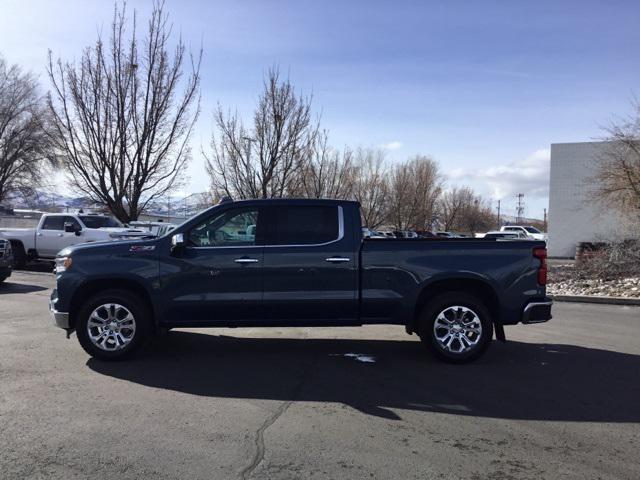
520, 207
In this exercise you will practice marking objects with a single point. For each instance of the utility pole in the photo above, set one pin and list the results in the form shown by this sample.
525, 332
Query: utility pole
519, 207
545, 219
499, 221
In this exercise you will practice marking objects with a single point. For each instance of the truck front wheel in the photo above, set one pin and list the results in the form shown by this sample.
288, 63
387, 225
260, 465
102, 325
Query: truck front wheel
456, 327
112, 324
19, 255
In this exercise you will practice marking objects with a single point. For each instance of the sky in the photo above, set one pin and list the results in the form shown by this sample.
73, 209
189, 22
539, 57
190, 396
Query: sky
482, 87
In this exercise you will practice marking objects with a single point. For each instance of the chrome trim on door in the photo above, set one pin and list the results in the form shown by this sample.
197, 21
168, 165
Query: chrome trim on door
340, 237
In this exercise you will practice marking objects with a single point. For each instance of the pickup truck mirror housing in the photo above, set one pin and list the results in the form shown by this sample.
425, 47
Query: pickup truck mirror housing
177, 243
70, 227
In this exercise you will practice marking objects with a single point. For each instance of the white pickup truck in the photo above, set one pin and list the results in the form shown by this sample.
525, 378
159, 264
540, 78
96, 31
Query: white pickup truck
56, 231
527, 230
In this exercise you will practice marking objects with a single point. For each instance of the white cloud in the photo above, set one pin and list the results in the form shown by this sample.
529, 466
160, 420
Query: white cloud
395, 145
529, 176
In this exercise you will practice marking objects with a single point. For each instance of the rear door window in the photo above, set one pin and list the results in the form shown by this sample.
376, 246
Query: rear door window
304, 225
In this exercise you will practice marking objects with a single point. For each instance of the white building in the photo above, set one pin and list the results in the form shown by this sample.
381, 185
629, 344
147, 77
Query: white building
573, 214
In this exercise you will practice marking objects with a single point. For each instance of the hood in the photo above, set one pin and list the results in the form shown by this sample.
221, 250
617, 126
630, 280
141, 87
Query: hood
15, 230
109, 247
124, 231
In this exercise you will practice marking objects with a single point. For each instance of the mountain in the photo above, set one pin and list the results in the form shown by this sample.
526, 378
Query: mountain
41, 200
47, 201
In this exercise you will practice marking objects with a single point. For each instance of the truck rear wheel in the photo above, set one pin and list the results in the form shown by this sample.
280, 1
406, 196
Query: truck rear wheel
456, 327
112, 325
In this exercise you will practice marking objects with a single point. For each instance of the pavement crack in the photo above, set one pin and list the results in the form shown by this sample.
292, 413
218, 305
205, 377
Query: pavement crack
259, 440
259, 436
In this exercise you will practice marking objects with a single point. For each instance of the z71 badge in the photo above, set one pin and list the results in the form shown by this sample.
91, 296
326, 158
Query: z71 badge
142, 248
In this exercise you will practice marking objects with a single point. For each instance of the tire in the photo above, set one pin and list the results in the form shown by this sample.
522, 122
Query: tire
120, 324
464, 327
19, 255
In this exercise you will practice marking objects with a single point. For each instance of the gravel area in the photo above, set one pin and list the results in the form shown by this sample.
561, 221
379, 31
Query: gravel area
563, 280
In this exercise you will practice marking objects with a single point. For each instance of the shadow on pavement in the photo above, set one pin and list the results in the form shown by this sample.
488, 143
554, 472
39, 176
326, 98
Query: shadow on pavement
512, 381
7, 287
37, 266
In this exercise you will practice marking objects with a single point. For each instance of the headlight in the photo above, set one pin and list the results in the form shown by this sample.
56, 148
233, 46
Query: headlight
63, 264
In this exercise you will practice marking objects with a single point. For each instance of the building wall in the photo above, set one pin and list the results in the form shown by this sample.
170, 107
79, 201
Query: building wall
573, 215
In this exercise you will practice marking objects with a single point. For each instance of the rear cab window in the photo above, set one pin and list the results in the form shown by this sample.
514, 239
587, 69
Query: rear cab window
304, 225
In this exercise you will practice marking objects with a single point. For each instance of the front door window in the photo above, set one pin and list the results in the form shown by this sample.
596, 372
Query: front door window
233, 228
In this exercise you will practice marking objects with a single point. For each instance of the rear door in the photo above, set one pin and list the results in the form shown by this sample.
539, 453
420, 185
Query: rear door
310, 266
51, 237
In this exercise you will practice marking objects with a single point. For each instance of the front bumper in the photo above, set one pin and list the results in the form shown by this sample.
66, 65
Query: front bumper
60, 319
538, 311
5, 271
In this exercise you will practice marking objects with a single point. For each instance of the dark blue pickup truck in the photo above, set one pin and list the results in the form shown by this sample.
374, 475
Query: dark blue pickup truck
297, 263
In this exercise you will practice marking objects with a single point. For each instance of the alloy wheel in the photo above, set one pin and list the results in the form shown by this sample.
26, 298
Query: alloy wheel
457, 329
111, 327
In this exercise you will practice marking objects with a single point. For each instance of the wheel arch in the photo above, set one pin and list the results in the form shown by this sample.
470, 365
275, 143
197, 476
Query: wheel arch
477, 287
19, 252
16, 243
91, 287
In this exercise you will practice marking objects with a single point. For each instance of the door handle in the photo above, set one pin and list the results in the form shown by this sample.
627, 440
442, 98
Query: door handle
246, 260
59, 234
337, 259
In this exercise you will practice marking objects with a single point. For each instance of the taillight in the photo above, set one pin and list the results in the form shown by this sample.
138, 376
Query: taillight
541, 254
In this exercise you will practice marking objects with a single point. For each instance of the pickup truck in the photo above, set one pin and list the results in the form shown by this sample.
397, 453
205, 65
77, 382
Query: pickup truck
529, 231
285, 262
56, 231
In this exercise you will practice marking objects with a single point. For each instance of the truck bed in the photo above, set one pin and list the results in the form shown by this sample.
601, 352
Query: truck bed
394, 271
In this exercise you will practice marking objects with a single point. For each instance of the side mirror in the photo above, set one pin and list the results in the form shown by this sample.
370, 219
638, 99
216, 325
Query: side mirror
177, 243
70, 227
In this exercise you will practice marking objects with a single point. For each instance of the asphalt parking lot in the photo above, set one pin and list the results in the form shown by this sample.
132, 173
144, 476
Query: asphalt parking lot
559, 400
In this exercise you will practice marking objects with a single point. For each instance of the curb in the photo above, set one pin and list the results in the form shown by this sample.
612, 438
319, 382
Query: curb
594, 299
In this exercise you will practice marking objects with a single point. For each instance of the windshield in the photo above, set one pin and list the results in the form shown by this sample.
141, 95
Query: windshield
99, 221
532, 230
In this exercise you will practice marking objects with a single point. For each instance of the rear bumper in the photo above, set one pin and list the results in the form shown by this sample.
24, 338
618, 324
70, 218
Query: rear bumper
538, 311
60, 319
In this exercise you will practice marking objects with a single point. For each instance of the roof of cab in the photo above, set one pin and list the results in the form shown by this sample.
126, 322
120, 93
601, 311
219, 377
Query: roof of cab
291, 201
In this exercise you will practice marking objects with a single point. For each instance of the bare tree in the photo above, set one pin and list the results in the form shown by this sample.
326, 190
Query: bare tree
23, 120
326, 173
462, 210
124, 114
477, 217
370, 186
415, 188
453, 207
617, 180
264, 160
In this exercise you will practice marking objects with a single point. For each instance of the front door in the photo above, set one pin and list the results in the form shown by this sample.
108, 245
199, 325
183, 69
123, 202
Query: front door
310, 266
217, 279
51, 237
